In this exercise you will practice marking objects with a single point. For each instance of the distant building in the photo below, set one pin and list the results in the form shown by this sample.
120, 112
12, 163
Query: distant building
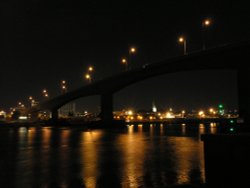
67, 110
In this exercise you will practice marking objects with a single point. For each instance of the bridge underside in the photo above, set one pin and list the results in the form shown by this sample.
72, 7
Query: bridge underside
229, 57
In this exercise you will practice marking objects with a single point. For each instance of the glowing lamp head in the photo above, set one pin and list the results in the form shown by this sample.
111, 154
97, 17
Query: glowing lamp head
132, 50
124, 61
87, 76
207, 22
90, 68
181, 39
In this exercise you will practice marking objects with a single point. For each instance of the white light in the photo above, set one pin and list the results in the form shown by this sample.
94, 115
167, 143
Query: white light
130, 112
23, 117
169, 115
154, 109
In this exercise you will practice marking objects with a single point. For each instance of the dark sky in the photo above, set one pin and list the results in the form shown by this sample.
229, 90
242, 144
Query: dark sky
44, 42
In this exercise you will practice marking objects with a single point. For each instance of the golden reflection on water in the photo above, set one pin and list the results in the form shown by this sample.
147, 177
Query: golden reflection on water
132, 148
31, 135
90, 157
141, 154
183, 129
140, 128
151, 130
201, 129
161, 129
130, 129
46, 135
186, 156
65, 135
213, 128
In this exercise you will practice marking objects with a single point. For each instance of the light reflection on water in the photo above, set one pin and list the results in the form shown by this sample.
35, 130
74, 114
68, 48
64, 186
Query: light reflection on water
153, 155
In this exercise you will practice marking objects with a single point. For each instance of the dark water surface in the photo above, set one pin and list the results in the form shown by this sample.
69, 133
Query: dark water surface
153, 155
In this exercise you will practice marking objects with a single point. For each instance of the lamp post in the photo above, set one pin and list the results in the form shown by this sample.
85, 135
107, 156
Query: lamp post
88, 77
132, 51
90, 69
183, 40
63, 87
45, 93
205, 25
125, 62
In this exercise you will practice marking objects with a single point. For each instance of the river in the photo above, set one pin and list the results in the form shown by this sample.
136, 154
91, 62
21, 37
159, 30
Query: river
145, 155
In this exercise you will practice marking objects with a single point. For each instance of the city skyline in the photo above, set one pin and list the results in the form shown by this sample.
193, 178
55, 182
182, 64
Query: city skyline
43, 48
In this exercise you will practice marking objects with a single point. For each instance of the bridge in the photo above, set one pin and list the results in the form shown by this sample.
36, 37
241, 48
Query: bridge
227, 57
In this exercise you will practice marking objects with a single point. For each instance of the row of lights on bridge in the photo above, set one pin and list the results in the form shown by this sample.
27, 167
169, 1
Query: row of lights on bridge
125, 61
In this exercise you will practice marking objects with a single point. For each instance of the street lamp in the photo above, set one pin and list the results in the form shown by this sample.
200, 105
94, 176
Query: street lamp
207, 22
89, 73
132, 51
63, 86
205, 25
88, 77
183, 40
125, 62
90, 69
45, 93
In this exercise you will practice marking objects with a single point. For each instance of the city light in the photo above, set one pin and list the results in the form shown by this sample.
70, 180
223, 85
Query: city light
201, 113
211, 110
130, 112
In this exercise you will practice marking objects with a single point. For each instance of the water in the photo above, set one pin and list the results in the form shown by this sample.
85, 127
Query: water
153, 155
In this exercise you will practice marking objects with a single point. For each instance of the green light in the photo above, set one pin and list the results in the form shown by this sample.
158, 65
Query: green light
231, 129
220, 106
231, 121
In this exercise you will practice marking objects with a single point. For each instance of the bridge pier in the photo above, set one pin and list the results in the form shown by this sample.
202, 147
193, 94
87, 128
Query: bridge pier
54, 114
243, 78
107, 107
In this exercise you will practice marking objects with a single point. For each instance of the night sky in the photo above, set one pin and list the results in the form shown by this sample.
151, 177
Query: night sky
44, 42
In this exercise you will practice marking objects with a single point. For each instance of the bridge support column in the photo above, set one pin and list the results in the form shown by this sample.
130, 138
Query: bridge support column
243, 76
107, 107
54, 114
